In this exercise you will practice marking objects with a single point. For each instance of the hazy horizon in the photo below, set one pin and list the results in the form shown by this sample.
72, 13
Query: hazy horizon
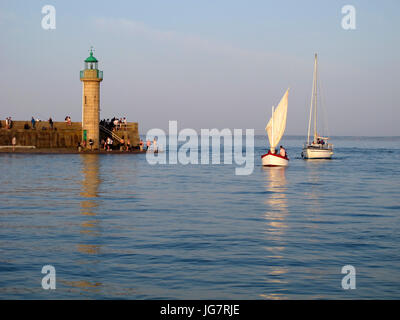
205, 64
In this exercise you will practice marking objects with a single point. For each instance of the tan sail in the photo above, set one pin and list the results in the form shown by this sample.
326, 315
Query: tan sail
277, 124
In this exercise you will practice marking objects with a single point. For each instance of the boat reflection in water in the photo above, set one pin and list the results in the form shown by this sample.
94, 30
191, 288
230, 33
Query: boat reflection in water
276, 226
90, 230
314, 203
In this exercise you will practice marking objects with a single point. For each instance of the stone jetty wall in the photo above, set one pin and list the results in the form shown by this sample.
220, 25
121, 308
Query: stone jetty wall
61, 136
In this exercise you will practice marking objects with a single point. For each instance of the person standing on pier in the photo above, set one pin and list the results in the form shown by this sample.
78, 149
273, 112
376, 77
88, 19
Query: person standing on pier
122, 144
155, 149
109, 144
33, 122
14, 142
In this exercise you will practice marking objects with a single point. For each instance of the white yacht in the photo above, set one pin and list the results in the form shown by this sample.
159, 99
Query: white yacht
318, 148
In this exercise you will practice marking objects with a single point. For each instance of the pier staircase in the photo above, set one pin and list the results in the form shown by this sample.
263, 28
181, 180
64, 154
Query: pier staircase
110, 133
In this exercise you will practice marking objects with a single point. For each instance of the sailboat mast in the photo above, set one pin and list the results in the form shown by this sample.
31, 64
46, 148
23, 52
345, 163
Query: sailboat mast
312, 100
315, 97
272, 131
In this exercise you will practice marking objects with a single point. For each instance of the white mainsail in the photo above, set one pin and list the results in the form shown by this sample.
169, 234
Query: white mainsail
277, 124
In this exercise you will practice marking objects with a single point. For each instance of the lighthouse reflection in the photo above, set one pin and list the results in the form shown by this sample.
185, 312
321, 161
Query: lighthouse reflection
89, 190
90, 227
276, 226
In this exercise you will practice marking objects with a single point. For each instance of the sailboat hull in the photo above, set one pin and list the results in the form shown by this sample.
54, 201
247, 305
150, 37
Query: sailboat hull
317, 153
274, 160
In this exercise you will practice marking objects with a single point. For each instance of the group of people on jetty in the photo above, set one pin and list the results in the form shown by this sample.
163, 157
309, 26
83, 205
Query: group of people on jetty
67, 120
51, 123
149, 145
123, 145
9, 123
114, 124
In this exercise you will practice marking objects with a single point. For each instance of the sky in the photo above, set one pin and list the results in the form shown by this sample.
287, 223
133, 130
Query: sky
207, 64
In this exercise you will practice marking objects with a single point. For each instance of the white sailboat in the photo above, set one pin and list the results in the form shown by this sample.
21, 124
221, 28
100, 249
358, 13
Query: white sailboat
275, 129
318, 148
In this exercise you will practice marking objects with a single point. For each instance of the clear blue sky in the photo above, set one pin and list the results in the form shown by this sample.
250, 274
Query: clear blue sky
207, 64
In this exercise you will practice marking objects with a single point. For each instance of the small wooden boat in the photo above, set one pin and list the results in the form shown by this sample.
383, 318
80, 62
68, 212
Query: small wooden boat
275, 130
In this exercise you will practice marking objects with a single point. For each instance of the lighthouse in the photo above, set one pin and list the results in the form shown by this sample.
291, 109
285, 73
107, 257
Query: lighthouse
91, 77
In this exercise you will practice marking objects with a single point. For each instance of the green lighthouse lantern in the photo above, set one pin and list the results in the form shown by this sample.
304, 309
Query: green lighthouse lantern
91, 62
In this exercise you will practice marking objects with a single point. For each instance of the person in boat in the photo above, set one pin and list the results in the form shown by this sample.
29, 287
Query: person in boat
320, 141
282, 152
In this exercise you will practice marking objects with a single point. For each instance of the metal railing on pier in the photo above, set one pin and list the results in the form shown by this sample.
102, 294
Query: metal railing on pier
113, 134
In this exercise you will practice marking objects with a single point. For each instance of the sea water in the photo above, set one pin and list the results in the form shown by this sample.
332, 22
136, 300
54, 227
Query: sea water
114, 226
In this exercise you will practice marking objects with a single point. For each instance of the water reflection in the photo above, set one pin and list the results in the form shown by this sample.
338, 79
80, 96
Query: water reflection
276, 226
277, 210
89, 192
91, 224
313, 192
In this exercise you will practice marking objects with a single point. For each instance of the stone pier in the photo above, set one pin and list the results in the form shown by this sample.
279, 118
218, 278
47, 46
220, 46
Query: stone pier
62, 136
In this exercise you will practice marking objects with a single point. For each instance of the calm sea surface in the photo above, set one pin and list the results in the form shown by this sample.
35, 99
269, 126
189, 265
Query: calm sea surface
115, 227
